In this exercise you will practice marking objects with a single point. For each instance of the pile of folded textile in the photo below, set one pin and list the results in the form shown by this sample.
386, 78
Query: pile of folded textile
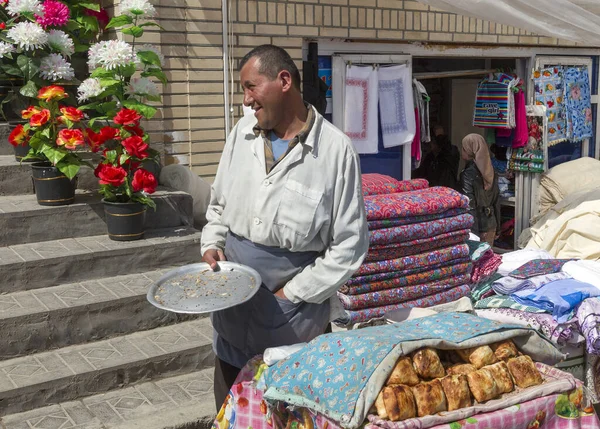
417, 255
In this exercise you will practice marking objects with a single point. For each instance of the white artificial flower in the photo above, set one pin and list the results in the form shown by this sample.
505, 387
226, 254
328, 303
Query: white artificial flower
54, 67
142, 86
142, 7
110, 54
154, 49
16, 7
5, 49
28, 35
89, 88
61, 42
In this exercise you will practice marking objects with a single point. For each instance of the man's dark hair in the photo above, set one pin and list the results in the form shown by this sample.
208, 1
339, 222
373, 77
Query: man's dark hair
273, 59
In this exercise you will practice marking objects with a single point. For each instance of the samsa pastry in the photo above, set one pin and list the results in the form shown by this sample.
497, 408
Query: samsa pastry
501, 376
380, 406
482, 385
524, 372
456, 389
505, 350
403, 373
463, 368
427, 364
399, 402
429, 397
478, 356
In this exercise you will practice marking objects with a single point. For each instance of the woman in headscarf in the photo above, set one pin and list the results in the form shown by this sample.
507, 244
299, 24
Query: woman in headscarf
479, 182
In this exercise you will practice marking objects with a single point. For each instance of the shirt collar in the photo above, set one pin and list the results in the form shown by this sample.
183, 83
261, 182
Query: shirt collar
302, 134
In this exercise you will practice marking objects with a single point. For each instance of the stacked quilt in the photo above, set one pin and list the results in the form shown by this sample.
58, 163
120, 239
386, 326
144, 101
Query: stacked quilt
417, 255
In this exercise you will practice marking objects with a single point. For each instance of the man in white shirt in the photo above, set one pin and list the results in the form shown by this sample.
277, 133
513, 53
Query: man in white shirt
287, 201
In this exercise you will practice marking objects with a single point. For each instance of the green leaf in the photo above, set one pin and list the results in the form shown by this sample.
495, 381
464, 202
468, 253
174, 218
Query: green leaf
89, 106
91, 6
149, 57
119, 21
111, 156
127, 71
46, 132
80, 47
101, 72
97, 118
107, 107
145, 110
141, 198
124, 158
106, 190
152, 97
157, 74
154, 24
68, 123
73, 25
54, 155
29, 67
134, 31
12, 70
107, 82
29, 89
90, 23
69, 166
36, 143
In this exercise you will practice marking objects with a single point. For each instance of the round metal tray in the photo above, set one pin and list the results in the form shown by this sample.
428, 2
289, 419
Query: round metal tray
196, 289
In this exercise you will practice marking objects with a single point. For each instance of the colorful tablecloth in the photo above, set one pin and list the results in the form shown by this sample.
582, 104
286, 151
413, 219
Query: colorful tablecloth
415, 203
378, 184
388, 223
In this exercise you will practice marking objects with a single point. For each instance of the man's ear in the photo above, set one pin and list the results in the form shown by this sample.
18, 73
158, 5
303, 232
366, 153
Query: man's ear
286, 80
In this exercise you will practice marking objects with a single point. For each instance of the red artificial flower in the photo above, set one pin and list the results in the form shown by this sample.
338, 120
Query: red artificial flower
29, 112
136, 130
2, 26
109, 133
136, 147
52, 92
101, 16
109, 175
18, 136
70, 139
127, 117
39, 119
94, 139
143, 181
72, 114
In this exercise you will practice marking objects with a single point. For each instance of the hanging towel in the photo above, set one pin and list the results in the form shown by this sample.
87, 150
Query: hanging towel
521, 131
396, 105
360, 108
423, 99
578, 103
549, 88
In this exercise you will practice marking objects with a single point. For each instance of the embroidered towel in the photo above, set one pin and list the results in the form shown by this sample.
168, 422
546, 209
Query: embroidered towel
396, 103
360, 108
578, 104
549, 88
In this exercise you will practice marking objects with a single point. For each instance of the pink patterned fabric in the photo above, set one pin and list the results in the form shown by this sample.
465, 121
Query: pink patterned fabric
380, 184
485, 267
415, 203
388, 223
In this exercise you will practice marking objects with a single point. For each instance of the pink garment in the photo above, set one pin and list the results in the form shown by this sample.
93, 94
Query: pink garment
415, 149
521, 130
503, 132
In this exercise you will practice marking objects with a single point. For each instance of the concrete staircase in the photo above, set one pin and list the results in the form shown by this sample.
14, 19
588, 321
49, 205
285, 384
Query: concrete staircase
80, 346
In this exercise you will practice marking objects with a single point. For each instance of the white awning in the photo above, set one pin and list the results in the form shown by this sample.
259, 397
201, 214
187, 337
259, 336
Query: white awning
575, 20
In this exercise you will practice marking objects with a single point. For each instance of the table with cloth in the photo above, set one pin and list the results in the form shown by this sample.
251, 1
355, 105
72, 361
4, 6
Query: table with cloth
333, 381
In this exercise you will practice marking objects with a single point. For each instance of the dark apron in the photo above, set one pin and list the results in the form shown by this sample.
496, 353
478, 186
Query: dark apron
266, 320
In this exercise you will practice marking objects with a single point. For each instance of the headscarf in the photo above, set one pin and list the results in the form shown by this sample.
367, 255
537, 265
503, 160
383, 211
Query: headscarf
475, 148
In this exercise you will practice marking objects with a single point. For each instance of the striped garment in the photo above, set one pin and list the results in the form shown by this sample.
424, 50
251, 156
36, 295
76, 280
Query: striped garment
494, 103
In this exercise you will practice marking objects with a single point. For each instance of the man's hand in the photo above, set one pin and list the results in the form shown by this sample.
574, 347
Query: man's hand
281, 294
212, 256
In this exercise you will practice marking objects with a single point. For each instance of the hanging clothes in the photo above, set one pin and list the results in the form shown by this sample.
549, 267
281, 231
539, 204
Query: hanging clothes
415, 149
423, 99
396, 105
521, 131
549, 88
361, 97
494, 102
578, 103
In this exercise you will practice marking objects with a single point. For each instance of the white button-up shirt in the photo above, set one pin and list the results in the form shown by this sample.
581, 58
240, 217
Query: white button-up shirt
310, 201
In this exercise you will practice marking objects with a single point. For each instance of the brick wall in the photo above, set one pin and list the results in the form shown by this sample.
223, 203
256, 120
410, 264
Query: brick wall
191, 124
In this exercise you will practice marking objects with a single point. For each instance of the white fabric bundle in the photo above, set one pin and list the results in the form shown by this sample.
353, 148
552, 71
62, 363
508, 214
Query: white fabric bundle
360, 108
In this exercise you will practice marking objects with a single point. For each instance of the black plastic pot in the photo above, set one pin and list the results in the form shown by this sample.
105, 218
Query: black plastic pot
52, 188
21, 152
124, 221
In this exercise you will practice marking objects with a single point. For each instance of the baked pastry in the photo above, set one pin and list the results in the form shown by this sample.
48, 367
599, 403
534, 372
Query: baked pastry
462, 368
456, 389
427, 364
380, 406
478, 356
403, 373
505, 350
524, 372
482, 385
501, 377
399, 402
429, 397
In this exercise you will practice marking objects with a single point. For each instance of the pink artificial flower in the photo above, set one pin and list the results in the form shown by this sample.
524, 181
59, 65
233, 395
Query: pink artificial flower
56, 14
102, 16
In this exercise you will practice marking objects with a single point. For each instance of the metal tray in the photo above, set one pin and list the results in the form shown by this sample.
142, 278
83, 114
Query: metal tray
196, 289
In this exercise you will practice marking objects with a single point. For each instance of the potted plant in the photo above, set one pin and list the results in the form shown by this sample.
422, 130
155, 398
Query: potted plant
119, 89
54, 133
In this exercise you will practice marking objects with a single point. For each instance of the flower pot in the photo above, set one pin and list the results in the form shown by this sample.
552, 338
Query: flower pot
124, 221
21, 152
52, 188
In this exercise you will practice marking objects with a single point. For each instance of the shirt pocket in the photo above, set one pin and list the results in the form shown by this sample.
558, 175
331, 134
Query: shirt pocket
297, 208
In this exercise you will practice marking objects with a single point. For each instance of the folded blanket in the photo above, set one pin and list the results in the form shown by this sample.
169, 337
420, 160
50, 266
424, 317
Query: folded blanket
388, 223
505, 301
416, 203
508, 285
413, 247
402, 233
485, 267
401, 294
588, 315
439, 256
477, 249
357, 316
378, 184
369, 278
484, 288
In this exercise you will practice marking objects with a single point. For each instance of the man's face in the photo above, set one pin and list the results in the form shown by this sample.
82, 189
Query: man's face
262, 94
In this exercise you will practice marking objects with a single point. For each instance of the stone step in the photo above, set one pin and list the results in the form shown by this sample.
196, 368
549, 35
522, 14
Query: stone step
77, 372
23, 220
76, 313
15, 177
184, 401
51, 263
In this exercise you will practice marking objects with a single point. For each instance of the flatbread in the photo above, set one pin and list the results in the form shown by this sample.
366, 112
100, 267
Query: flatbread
403, 373
429, 397
524, 372
456, 389
427, 364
